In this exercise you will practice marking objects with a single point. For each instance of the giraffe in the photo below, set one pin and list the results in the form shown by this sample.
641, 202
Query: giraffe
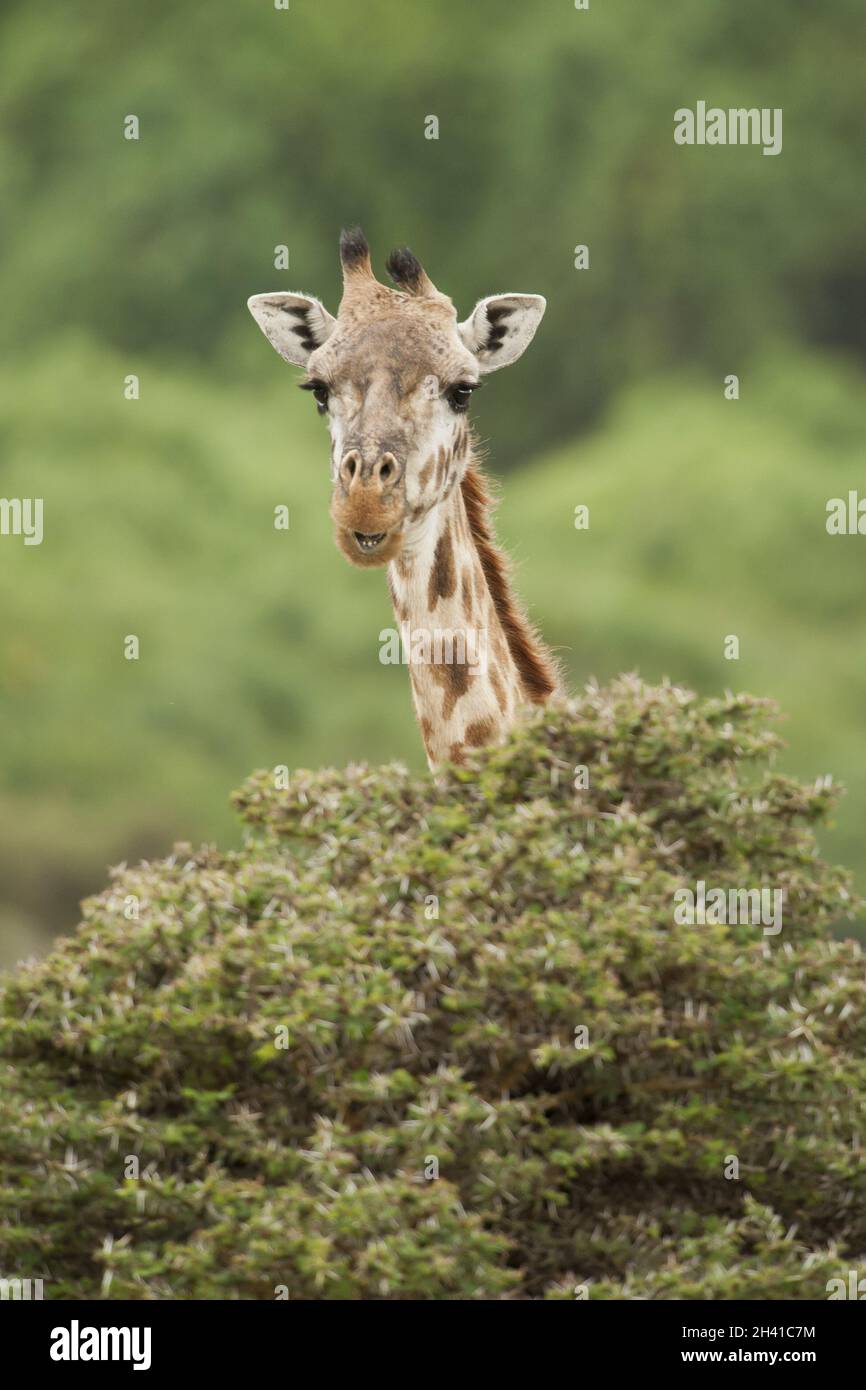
394, 373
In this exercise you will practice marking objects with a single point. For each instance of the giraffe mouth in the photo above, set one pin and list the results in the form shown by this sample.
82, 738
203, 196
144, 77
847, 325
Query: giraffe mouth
368, 543
361, 545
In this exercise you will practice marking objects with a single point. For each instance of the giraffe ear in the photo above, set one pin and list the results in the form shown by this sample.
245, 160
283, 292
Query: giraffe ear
501, 327
296, 324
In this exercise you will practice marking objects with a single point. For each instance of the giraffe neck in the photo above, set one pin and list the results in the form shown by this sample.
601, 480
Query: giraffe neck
466, 685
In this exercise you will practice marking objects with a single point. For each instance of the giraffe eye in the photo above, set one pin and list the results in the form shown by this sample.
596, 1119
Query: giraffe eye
458, 396
320, 394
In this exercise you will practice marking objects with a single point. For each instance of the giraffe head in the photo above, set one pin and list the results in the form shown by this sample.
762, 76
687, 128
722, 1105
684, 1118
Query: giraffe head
393, 373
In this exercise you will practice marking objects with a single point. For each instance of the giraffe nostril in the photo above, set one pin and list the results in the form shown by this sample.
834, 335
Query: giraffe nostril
349, 468
389, 470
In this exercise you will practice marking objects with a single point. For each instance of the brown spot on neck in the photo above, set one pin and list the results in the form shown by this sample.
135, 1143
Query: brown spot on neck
479, 732
443, 580
454, 677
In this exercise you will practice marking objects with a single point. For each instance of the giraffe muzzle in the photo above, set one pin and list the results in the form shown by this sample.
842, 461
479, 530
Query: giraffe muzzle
368, 506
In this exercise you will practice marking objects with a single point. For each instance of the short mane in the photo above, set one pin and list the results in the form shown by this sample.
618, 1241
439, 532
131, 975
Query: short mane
538, 674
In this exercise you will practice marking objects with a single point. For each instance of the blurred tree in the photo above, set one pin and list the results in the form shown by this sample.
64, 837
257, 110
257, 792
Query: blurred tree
260, 128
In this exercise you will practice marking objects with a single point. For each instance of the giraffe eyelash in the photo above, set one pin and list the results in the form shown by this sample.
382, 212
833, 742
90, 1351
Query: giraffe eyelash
321, 392
459, 395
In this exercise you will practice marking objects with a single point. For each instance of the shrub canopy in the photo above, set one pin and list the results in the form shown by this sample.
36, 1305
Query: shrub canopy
445, 1039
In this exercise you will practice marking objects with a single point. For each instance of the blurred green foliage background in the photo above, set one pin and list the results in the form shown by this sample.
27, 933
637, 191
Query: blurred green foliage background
262, 127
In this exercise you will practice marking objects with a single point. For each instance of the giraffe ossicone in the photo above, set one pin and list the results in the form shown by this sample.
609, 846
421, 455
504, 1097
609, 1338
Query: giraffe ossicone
394, 372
